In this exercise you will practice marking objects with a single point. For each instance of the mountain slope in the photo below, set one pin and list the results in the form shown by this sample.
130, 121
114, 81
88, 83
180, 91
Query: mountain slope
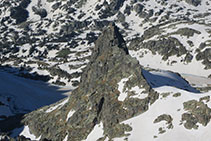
56, 38
115, 97
96, 98
19, 96
166, 83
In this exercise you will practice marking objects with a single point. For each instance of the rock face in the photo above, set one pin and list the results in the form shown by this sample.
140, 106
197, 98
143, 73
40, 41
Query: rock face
205, 56
96, 100
166, 47
19, 13
193, 2
198, 112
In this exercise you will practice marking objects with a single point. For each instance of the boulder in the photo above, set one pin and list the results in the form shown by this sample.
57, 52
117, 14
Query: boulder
40, 11
19, 14
193, 2
138, 8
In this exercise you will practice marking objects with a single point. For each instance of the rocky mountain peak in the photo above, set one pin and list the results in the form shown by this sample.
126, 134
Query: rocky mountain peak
110, 38
101, 97
52, 41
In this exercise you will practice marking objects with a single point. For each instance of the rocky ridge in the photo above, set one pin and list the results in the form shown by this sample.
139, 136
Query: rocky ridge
50, 37
96, 98
53, 41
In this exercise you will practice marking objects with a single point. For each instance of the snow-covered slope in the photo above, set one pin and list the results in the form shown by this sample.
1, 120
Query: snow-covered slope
57, 37
53, 41
164, 120
19, 95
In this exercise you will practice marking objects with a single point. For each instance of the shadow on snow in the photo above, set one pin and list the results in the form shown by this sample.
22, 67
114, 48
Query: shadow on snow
167, 78
19, 96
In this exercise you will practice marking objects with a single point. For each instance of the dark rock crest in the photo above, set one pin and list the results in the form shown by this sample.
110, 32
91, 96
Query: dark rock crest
96, 98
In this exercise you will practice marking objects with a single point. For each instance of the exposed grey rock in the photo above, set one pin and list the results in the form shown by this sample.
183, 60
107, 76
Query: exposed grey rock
100, 24
127, 10
161, 130
40, 11
190, 43
197, 112
96, 98
189, 32
19, 14
111, 9
166, 47
202, 45
74, 25
188, 58
133, 1
206, 99
25, 3
56, 5
177, 94
138, 8
165, 117
206, 57
97, 7
193, 2
121, 17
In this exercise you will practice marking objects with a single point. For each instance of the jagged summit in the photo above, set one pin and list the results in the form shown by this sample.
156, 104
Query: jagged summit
53, 41
99, 99
110, 37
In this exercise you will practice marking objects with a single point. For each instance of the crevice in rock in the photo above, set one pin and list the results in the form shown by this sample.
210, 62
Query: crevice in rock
100, 106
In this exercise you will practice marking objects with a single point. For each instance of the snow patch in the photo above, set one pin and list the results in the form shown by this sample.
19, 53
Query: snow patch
71, 112
96, 133
66, 138
138, 91
123, 93
57, 106
27, 134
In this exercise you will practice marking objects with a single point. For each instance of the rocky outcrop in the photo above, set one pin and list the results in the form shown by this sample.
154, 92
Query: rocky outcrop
165, 117
110, 8
197, 113
40, 11
205, 56
166, 47
193, 2
19, 13
96, 100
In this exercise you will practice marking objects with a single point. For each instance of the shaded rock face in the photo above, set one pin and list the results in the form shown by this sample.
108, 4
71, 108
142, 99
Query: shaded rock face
96, 98
19, 13
197, 112
111, 9
193, 2
205, 56
39, 11
166, 47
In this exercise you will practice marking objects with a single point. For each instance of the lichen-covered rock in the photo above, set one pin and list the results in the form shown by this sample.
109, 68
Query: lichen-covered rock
176, 94
40, 11
189, 32
110, 8
165, 117
166, 47
198, 112
205, 56
138, 8
188, 57
96, 98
